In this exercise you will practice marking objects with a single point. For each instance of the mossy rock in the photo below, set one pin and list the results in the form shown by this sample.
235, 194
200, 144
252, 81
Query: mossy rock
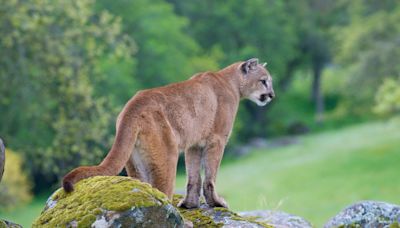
277, 218
123, 202
7, 224
109, 202
215, 217
367, 214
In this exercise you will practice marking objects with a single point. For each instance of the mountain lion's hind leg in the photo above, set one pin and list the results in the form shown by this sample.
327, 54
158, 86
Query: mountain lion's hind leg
162, 162
131, 169
193, 187
213, 155
160, 154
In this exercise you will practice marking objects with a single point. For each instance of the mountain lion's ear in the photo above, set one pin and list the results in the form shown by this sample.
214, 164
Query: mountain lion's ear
249, 65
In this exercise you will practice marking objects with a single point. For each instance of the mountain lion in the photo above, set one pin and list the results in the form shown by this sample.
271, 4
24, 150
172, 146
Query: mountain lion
195, 116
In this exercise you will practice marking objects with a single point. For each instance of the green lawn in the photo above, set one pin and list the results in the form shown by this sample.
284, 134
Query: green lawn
25, 215
314, 179
319, 176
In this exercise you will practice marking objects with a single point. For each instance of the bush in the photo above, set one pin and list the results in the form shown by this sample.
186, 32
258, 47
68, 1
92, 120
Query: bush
388, 97
15, 186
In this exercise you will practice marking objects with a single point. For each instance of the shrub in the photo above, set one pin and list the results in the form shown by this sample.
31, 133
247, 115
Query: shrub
388, 97
15, 186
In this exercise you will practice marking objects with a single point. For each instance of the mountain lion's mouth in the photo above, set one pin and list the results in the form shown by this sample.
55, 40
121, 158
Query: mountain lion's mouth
266, 97
263, 97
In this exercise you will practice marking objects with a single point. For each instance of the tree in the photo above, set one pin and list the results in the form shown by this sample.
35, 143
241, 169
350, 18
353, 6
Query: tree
367, 50
387, 100
49, 62
166, 53
314, 19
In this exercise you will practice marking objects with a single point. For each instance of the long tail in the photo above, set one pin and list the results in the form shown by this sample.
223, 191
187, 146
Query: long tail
112, 164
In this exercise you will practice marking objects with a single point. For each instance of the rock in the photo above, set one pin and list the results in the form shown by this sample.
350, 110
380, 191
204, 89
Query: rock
115, 201
216, 217
260, 143
298, 128
367, 214
277, 219
111, 201
7, 224
2, 158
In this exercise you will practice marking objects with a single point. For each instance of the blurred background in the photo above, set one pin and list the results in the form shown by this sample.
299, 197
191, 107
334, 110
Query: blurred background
330, 138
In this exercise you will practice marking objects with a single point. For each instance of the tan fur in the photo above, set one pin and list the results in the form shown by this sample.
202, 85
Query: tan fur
195, 116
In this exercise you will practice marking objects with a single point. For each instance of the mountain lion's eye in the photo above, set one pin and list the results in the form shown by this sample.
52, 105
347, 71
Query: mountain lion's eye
264, 82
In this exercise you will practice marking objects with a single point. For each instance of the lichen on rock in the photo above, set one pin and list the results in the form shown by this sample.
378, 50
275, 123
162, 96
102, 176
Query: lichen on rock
206, 216
112, 201
104, 201
367, 214
277, 219
7, 224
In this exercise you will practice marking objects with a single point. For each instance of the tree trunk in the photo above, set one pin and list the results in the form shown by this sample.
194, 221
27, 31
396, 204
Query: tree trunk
2, 158
316, 93
284, 83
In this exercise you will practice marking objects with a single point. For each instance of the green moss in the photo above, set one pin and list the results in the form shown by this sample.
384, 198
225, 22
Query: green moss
252, 219
3, 224
354, 225
94, 195
196, 216
394, 225
237, 217
86, 221
204, 218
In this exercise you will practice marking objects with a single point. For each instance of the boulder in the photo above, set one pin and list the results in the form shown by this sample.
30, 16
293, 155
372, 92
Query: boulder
115, 201
7, 224
367, 214
277, 219
111, 201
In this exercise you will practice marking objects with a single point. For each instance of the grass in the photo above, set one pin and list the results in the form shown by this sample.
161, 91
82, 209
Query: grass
319, 176
25, 215
315, 179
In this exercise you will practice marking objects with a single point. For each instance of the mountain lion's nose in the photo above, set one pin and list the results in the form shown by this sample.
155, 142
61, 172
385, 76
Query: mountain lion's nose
271, 95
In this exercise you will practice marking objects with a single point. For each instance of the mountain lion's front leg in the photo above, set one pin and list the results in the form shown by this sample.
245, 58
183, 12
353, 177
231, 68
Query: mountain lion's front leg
212, 159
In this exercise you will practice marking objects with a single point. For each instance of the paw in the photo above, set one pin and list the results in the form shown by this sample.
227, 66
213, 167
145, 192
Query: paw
217, 202
185, 203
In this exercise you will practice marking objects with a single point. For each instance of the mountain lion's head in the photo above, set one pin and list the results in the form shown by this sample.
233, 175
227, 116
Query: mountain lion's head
256, 83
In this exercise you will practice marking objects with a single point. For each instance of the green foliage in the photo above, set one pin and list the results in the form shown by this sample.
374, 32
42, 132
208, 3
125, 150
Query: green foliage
368, 50
15, 188
262, 29
49, 61
388, 97
166, 53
